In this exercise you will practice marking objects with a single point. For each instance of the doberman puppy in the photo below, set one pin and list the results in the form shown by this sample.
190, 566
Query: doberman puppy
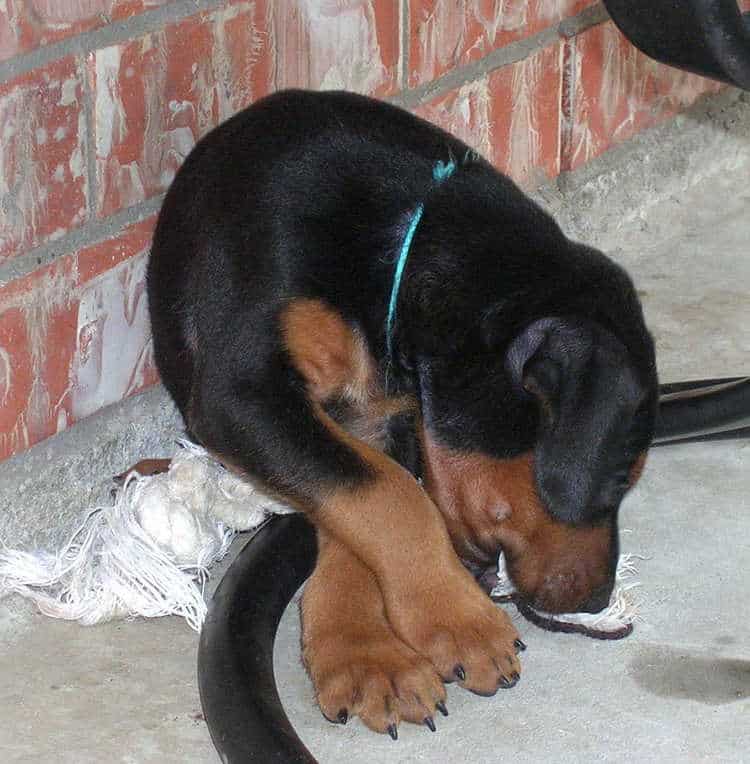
352, 307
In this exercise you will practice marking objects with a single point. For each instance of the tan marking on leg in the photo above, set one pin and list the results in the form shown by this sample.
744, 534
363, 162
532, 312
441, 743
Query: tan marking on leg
334, 359
431, 601
328, 352
389, 522
356, 662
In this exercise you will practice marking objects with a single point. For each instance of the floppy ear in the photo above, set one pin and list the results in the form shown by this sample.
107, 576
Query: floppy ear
554, 363
528, 345
533, 369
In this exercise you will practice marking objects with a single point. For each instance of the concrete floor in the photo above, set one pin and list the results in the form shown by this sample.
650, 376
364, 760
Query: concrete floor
678, 689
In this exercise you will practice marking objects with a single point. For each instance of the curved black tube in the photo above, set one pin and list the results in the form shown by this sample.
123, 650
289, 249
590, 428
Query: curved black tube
703, 410
235, 656
696, 384
708, 37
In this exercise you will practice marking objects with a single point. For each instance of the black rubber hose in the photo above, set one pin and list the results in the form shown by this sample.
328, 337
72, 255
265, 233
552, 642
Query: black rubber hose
235, 656
696, 384
708, 409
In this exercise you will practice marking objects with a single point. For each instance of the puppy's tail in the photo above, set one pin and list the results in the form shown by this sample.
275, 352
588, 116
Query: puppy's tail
240, 701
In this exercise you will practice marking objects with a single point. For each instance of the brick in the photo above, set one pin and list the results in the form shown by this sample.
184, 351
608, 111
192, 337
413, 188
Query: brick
29, 24
16, 377
74, 337
346, 44
95, 260
31, 306
156, 95
113, 356
446, 33
510, 116
43, 184
618, 91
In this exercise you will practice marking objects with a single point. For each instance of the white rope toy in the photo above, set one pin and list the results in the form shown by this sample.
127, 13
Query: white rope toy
149, 553
614, 622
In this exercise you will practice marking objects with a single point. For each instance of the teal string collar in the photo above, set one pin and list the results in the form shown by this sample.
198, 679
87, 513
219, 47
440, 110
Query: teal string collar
440, 172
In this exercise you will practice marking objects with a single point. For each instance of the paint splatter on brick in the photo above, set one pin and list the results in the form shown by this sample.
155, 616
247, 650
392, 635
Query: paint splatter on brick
16, 377
155, 96
337, 44
74, 337
510, 116
446, 34
619, 91
114, 352
29, 24
43, 185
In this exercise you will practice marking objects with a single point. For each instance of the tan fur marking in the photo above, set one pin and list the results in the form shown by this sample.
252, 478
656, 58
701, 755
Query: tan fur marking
329, 353
334, 359
489, 503
432, 602
637, 469
354, 658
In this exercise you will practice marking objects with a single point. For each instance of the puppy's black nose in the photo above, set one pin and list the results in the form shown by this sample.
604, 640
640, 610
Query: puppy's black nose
598, 600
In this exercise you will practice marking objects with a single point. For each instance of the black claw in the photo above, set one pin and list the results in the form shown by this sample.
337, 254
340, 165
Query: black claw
520, 646
441, 707
393, 731
343, 716
430, 722
459, 671
516, 677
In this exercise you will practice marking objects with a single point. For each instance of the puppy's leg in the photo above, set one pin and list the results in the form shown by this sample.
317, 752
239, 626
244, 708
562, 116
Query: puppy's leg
356, 662
263, 414
431, 600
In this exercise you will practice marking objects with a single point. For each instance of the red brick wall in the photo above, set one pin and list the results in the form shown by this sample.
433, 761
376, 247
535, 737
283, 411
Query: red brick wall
100, 100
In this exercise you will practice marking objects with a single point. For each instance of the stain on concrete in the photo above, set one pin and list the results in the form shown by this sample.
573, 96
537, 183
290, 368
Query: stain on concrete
673, 673
726, 639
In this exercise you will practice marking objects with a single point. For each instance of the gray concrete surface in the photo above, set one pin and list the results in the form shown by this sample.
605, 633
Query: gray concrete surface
43, 491
672, 207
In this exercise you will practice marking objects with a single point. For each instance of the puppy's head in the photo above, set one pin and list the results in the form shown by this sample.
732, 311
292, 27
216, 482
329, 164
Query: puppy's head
552, 506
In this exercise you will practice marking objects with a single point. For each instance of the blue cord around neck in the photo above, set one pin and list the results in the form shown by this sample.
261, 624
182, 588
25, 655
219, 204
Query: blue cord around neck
440, 172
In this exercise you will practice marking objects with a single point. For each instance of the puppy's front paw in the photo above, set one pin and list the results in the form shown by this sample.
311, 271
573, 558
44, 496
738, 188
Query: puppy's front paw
376, 677
465, 636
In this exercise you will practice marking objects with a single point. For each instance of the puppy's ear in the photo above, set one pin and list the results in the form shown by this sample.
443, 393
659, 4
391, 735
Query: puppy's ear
579, 378
528, 361
541, 378
532, 368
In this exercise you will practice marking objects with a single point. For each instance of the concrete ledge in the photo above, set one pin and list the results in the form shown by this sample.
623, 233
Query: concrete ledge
44, 491
615, 191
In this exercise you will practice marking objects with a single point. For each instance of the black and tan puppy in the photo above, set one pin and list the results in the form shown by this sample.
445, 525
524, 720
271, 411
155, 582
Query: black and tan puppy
343, 297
